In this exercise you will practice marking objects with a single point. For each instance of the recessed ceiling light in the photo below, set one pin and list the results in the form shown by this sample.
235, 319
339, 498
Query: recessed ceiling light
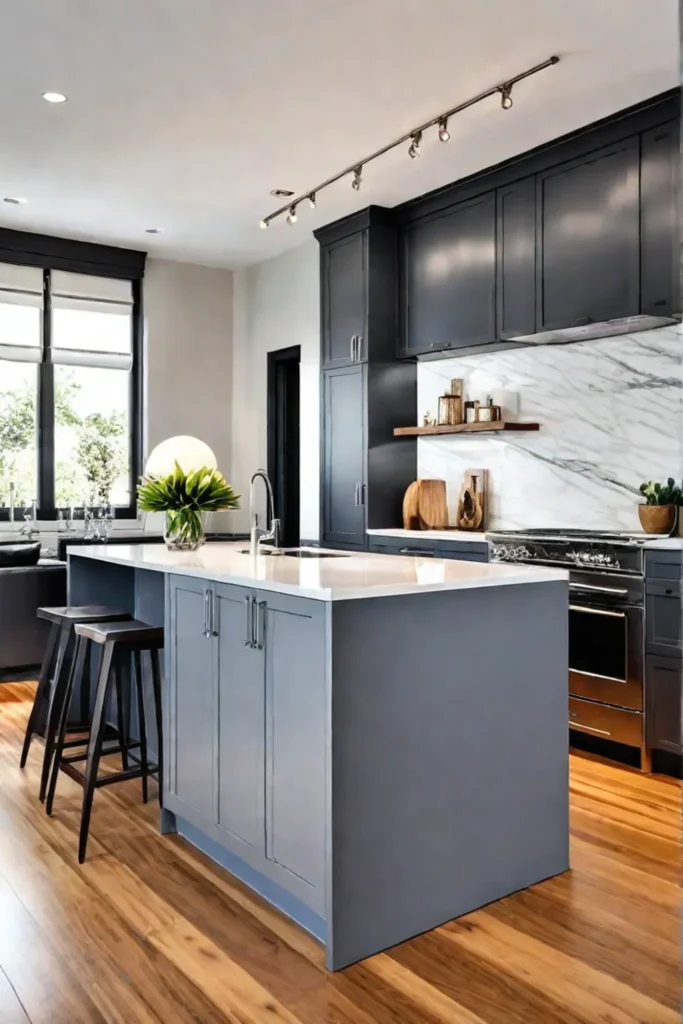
14, 200
54, 97
153, 231
281, 193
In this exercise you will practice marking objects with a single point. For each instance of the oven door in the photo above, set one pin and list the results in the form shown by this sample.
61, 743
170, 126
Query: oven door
605, 643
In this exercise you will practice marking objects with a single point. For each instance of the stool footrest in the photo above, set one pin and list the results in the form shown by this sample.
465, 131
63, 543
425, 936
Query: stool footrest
106, 780
73, 758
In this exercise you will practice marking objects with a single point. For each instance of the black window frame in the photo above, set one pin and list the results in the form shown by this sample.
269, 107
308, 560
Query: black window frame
51, 253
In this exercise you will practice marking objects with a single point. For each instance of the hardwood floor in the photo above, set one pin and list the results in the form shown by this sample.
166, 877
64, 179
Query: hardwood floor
148, 931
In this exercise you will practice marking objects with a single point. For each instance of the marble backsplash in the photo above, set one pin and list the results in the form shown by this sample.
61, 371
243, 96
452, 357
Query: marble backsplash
610, 414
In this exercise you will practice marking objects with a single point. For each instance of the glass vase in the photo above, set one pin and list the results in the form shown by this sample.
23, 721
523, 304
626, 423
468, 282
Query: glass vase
184, 529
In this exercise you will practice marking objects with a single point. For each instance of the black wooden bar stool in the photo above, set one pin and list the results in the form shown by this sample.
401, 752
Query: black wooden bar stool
54, 675
118, 640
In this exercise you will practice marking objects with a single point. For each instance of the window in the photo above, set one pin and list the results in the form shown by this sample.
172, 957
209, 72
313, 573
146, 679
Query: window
68, 376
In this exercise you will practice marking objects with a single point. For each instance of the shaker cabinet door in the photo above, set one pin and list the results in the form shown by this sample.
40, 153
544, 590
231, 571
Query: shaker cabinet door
343, 471
240, 720
659, 169
449, 278
190, 718
664, 709
516, 259
587, 238
344, 302
293, 633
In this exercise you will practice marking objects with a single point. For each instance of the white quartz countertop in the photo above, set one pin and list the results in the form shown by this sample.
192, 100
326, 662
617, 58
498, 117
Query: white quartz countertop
351, 577
455, 536
664, 544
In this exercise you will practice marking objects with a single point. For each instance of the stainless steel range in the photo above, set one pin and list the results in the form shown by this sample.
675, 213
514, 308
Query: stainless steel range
606, 624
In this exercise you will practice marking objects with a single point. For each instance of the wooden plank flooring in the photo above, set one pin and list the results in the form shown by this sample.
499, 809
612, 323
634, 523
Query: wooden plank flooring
150, 931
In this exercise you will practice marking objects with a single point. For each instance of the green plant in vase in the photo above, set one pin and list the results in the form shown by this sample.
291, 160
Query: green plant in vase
185, 498
658, 513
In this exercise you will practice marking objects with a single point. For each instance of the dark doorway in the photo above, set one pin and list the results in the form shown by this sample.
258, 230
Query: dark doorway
283, 439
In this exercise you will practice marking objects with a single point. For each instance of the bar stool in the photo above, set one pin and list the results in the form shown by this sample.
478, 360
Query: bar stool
118, 640
54, 672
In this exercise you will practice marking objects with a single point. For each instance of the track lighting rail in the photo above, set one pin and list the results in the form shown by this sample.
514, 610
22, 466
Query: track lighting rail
414, 136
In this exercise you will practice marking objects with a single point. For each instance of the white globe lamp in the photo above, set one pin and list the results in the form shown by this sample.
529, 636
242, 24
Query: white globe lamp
189, 452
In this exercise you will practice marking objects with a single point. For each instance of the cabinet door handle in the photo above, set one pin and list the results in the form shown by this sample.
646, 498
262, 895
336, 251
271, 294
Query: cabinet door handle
357, 496
362, 494
248, 640
214, 631
359, 347
421, 552
207, 598
260, 607
352, 348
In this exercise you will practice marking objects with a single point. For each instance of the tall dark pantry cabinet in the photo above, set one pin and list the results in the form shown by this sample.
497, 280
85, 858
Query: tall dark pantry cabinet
366, 391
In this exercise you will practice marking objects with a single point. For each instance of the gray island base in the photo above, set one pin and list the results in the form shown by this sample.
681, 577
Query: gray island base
375, 766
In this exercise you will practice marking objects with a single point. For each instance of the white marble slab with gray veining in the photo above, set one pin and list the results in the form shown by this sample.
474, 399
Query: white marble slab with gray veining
610, 414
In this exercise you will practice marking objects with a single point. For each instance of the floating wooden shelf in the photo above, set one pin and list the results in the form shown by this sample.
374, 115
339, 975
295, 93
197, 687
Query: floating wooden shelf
463, 428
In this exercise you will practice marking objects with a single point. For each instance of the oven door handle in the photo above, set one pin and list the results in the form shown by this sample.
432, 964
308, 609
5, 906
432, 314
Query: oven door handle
596, 611
613, 591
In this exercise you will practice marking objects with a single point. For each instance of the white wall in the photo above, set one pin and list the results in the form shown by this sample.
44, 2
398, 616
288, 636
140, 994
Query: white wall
188, 319
188, 361
276, 305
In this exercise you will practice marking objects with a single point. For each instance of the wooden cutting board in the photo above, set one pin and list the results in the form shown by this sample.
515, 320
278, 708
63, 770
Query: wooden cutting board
472, 502
411, 518
432, 506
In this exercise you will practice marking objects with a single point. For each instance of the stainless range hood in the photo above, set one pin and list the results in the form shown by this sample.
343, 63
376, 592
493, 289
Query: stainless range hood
605, 329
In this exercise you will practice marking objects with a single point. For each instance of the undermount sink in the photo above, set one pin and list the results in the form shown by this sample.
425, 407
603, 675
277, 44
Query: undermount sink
294, 553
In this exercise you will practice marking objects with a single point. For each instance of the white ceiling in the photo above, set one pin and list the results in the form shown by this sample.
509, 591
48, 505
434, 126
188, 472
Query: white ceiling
183, 114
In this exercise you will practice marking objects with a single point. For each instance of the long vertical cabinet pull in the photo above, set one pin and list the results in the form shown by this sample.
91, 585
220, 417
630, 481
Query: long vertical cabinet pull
207, 613
248, 640
359, 347
352, 348
214, 630
260, 630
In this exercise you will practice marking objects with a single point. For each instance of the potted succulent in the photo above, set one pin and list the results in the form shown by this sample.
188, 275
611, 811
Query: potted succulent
658, 513
185, 498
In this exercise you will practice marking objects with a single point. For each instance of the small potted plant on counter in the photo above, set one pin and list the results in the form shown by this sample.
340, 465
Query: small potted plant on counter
658, 513
185, 498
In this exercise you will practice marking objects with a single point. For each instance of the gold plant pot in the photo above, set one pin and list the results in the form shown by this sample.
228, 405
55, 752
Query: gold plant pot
656, 518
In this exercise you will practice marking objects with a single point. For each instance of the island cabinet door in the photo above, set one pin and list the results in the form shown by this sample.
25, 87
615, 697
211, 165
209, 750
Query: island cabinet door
240, 723
291, 632
191, 710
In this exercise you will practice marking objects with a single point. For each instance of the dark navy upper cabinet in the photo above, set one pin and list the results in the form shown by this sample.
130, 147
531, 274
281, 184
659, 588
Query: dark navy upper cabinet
358, 289
448, 278
516, 259
659, 170
344, 299
587, 238
344, 457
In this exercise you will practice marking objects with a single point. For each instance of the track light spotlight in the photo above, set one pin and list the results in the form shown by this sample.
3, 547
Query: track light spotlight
311, 200
505, 97
415, 145
263, 224
291, 216
444, 133
357, 179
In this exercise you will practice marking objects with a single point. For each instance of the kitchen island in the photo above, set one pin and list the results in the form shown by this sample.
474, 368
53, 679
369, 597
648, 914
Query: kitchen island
375, 744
